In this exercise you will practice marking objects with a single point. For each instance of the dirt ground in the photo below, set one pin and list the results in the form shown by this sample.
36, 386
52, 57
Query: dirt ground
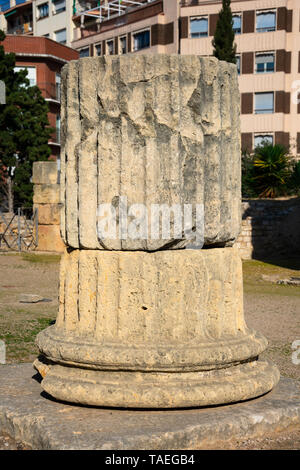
272, 309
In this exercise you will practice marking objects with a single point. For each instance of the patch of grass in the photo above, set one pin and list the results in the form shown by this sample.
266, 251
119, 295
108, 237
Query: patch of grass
40, 258
19, 337
253, 272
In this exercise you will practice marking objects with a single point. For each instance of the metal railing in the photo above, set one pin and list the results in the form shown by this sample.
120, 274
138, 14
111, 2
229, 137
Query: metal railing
19, 232
113, 8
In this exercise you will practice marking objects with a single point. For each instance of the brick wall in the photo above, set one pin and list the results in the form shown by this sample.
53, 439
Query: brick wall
270, 228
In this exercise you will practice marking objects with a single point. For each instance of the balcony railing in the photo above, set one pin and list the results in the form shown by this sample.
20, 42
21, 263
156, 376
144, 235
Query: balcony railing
113, 8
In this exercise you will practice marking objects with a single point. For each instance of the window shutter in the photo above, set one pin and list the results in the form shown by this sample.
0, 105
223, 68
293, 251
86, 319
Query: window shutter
247, 103
213, 19
247, 62
282, 138
247, 141
249, 21
129, 42
184, 27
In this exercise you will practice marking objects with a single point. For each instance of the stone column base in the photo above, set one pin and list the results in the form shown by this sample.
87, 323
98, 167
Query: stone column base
128, 389
152, 330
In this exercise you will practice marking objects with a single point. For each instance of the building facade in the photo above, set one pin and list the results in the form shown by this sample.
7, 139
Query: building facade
16, 16
43, 59
268, 51
49, 18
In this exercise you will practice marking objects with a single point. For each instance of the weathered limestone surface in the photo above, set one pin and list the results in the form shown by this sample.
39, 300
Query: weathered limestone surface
44, 172
46, 199
46, 194
126, 313
49, 214
49, 238
157, 130
144, 323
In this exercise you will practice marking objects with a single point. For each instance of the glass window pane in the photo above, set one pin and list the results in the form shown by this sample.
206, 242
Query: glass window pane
266, 21
84, 52
59, 5
141, 40
265, 63
238, 64
260, 140
264, 103
31, 74
199, 27
43, 10
237, 24
123, 45
98, 49
110, 47
61, 36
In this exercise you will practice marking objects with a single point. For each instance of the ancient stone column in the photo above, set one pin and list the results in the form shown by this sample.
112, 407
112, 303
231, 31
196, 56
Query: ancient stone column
151, 322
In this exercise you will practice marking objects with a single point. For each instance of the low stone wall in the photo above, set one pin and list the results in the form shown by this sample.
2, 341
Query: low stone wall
46, 199
269, 227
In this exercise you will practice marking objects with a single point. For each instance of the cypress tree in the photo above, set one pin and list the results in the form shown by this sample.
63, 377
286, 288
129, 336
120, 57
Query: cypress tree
24, 133
223, 41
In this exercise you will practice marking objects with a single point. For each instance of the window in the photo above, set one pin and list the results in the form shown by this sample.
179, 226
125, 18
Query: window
141, 40
238, 63
199, 27
84, 52
59, 6
264, 103
98, 49
31, 74
57, 86
61, 36
265, 62
237, 24
58, 129
43, 11
265, 21
263, 139
123, 45
110, 47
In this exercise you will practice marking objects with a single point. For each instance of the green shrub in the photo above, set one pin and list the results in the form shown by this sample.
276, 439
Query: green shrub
248, 185
294, 182
272, 170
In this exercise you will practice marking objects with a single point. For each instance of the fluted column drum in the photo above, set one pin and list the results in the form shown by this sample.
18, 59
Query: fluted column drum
151, 322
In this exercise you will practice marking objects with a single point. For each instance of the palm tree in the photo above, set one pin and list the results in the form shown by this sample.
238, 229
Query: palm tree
271, 169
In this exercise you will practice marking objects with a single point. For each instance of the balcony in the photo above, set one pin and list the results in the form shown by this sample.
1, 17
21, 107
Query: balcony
89, 21
25, 28
113, 8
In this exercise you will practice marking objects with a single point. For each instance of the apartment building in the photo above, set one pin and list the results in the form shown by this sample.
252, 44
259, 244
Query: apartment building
52, 19
268, 51
16, 16
43, 59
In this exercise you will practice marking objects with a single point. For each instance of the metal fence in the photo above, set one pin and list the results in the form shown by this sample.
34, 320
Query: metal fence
19, 232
